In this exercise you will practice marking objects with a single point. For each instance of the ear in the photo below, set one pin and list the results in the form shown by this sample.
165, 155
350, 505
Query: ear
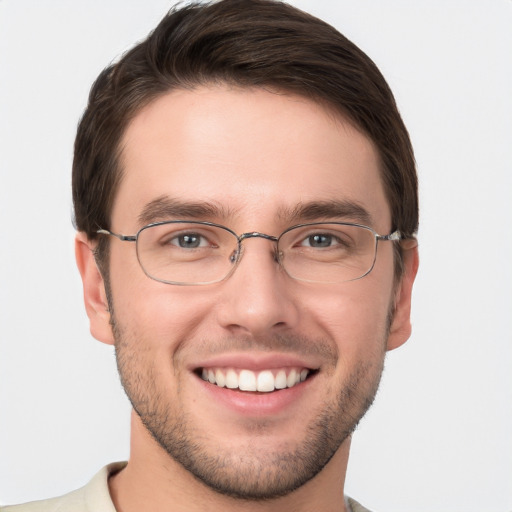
400, 329
95, 298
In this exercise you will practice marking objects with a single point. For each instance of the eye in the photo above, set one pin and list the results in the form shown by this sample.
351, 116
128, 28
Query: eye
189, 241
320, 240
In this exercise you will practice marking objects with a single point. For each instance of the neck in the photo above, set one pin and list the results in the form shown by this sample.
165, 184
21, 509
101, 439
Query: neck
152, 480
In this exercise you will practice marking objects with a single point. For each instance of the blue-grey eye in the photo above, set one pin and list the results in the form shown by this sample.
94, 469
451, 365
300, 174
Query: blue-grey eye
189, 241
319, 240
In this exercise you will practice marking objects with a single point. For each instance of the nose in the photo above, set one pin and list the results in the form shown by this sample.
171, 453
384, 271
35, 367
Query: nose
258, 297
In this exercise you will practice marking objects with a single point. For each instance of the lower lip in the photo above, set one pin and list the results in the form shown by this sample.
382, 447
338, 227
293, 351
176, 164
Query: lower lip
253, 403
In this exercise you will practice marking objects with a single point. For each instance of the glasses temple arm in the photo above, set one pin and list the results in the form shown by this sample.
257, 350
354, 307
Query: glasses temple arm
123, 238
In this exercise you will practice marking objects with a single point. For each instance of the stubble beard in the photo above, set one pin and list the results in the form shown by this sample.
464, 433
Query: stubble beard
250, 473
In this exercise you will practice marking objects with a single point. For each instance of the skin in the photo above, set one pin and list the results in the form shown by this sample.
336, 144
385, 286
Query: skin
257, 155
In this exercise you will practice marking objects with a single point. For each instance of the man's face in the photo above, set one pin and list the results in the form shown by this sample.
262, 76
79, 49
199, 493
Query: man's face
250, 160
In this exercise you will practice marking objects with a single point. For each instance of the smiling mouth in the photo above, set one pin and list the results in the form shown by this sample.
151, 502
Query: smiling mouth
265, 381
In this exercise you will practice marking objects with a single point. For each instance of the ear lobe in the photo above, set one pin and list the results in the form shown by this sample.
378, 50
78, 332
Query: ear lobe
95, 298
400, 329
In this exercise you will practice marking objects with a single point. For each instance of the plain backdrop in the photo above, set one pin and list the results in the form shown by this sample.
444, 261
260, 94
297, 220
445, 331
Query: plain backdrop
439, 437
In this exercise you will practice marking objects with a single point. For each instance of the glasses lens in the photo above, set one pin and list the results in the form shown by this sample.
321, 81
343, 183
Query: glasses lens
328, 253
186, 252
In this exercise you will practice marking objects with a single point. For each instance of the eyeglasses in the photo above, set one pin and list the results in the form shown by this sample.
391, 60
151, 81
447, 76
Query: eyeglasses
199, 253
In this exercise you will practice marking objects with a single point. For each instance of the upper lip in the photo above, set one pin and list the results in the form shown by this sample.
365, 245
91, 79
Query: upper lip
256, 361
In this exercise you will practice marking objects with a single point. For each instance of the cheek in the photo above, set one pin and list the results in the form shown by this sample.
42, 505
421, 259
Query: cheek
157, 315
355, 317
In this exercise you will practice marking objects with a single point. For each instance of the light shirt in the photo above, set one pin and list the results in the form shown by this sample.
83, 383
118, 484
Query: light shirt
95, 497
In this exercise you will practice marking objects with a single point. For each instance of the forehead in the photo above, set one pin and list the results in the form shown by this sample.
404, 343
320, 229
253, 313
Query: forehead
251, 154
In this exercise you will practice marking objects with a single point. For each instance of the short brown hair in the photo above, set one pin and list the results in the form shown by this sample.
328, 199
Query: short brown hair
248, 43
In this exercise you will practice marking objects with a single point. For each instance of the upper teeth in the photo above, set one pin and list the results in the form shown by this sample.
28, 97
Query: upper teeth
247, 380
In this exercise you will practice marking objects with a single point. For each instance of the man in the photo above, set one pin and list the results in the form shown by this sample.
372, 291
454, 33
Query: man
246, 204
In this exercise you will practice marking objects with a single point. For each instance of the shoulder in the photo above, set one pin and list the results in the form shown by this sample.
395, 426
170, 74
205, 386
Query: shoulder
354, 506
93, 497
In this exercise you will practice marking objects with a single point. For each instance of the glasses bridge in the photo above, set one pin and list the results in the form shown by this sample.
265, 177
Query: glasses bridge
256, 234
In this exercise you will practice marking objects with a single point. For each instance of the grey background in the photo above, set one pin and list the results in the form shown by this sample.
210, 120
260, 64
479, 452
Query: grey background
439, 436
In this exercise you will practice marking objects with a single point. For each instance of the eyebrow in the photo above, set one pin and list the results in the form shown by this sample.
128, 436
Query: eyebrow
164, 208
327, 210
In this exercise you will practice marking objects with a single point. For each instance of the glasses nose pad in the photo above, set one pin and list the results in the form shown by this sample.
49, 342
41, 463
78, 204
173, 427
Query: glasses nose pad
234, 256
